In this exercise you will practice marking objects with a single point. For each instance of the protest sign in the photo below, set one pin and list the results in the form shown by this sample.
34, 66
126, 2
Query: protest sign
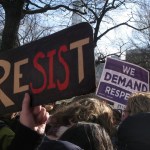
119, 79
53, 68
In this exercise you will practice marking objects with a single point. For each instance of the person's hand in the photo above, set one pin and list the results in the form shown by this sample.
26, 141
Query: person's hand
34, 118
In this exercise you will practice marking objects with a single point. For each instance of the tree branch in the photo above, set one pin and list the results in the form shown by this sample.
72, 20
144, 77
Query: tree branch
29, 2
47, 7
124, 23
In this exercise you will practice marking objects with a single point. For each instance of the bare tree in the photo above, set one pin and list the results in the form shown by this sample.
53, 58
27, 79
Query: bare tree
31, 29
141, 39
95, 12
13, 15
139, 52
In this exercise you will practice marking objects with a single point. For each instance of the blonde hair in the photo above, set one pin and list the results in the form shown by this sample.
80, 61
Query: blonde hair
138, 102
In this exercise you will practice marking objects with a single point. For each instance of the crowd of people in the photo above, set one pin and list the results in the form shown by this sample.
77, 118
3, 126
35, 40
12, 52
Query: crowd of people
85, 123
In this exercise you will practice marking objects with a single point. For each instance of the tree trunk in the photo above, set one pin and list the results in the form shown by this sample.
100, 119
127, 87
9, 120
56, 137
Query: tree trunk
13, 13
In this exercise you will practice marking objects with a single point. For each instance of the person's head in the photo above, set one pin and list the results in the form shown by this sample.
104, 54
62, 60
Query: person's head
84, 109
138, 102
89, 136
96, 111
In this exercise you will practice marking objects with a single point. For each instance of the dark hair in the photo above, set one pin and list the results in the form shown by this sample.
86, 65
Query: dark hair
117, 116
86, 109
89, 136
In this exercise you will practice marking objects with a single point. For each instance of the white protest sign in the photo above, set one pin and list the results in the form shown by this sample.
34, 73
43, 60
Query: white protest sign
119, 79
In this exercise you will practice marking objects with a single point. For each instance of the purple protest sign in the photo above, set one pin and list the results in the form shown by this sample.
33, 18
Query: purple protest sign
119, 79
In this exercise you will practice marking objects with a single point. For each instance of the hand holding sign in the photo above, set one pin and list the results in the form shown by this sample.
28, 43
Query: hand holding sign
34, 118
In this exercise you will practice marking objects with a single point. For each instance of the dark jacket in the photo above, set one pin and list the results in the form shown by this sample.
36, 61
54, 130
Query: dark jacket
25, 139
134, 132
57, 145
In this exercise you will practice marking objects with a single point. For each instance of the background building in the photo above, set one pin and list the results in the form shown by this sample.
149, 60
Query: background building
140, 57
76, 18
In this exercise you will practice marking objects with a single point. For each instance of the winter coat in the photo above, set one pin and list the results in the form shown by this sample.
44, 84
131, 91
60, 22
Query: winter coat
25, 139
134, 132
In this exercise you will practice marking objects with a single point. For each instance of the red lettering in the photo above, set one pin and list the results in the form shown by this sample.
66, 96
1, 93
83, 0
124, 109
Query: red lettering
40, 69
64, 85
51, 69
